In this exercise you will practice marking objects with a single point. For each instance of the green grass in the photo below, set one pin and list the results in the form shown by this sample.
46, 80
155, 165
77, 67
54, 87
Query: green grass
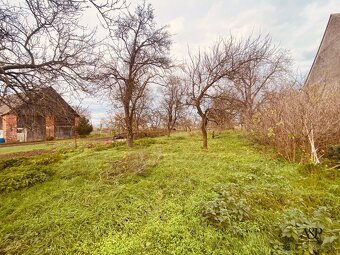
75, 209
50, 145
22, 148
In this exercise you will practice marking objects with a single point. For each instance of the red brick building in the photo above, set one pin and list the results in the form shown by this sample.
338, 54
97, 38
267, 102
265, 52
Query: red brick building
41, 115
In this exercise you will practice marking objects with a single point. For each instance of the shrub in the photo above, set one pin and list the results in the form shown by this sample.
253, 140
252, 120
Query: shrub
50, 138
334, 152
226, 210
84, 127
300, 124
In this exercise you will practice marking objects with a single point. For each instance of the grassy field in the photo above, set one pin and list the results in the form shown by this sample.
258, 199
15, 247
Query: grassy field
165, 196
51, 145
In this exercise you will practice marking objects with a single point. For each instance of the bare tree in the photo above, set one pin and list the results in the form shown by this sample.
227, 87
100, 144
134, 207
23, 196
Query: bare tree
208, 72
82, 111
260, 75
187, 122
41, 42
154, 118
231, 69
225, 110
204, 71
172, 102
116, 122
138, 53
141, 114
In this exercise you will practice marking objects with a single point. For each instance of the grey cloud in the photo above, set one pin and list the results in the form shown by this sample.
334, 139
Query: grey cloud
297, 26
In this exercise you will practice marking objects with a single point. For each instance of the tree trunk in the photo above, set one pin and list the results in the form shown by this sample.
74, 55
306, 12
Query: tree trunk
169, 126
129, 139
204, 132
129, 135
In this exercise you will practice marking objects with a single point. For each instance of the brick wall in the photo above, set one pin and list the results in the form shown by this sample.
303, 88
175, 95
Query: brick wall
10, 128
50, 127
76, 121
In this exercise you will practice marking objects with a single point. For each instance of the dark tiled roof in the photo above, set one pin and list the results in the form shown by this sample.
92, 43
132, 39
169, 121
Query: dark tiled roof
12, 102
326, 64
46, 98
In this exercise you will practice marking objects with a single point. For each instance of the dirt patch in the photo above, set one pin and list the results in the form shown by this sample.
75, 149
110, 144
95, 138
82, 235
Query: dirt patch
26, 153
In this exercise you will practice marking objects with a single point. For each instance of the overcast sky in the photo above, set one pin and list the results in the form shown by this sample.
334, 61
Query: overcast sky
296, 25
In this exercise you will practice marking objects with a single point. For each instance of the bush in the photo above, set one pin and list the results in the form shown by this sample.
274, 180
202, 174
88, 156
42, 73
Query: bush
50, 138
334, 152
84, 127
226, 210
300, 124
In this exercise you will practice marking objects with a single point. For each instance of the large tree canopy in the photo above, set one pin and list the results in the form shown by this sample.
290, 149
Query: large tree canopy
42, 42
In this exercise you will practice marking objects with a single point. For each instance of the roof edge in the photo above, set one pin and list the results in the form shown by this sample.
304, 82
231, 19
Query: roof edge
317, 53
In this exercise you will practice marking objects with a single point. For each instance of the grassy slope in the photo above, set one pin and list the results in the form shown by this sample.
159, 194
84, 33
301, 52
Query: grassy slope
76, 212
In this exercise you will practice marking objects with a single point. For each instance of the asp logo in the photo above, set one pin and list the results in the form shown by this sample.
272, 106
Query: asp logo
313, 233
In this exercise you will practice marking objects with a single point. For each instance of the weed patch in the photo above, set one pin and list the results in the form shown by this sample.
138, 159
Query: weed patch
11, 162
319, 171
227, 210
176, 138
301, 234
23, 177
23, 172
138, 163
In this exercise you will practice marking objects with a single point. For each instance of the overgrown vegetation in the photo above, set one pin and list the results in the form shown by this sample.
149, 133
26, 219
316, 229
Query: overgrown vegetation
301, 124
295, 233
308, 235
22, 172
136, 163
22, 178
227, 210
167, 196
